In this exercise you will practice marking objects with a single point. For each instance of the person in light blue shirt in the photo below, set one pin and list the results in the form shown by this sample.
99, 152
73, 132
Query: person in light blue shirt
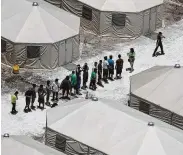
111, 67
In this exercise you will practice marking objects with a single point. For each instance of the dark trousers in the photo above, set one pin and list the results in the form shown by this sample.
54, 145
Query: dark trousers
105, 74
13, 107
55, 94
32, 101
47, 97
93, 84
65, 90
99, 77
161, 47
27, 100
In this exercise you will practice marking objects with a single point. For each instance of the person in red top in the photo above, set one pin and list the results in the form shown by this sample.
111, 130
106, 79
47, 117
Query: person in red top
119, 67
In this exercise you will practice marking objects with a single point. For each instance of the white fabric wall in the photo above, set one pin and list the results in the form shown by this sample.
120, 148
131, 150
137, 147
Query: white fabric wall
159, 112
52, 55
160, 10
75, 7
72, 147
132, 28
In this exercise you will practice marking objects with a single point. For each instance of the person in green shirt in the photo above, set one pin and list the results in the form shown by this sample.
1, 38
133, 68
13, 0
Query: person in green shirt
131, 58
93, 79
14, 97
73, 82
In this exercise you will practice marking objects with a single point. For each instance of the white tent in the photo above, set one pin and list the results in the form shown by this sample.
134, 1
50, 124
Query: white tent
107, 127
158, 92
36, 34
22, 145
117, 18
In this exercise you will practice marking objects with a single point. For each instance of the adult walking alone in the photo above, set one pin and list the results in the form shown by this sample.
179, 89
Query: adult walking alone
159, 44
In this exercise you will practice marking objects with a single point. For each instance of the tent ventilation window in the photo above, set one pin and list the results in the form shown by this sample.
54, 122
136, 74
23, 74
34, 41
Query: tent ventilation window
3, 46
119, 19
87, 13
60, 143
35, 4
33, 52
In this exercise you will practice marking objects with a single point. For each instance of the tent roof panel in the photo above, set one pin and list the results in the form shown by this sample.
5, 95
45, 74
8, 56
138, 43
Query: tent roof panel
122, 5
36, 24
21, 145
106, 125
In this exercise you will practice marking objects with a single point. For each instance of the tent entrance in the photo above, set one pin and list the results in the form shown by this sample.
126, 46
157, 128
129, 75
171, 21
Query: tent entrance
149, 21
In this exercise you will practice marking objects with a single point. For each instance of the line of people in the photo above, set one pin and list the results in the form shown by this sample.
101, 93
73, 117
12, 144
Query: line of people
71, 85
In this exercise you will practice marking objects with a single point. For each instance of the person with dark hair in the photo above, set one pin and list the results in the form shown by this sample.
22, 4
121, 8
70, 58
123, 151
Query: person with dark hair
111, 67
95, 66
85, 75
73, 82
65, 86
41, 95
105, 69
100, 74
78, 75
28, 96
93, 79
33, 96
159, 44
131, 59
48, 92
14, 98
55, 89
119, 67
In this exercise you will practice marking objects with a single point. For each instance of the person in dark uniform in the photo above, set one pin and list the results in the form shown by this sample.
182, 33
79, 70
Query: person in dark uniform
48, 92
119, 66
159, 44
41, 95
100, 73
111, 67
65, 86
85, 75
28, 96
33, 96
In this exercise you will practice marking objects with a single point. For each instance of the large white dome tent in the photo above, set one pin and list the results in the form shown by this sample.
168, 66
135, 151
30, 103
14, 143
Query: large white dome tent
158, 92
108, 127
116, 18
36, 34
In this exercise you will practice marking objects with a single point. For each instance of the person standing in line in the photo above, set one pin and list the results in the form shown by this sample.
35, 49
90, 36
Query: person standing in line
85, 75
105, 69
14, 98
131, 59
119, 67
159, 44
78, 75
28, 97
93, 79
33, 96
65, 86
111, 67
55, 88
100, 73
48, 92
73, 82
41, 95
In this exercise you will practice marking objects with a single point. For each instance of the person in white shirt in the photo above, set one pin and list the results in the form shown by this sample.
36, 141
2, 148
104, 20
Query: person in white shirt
105, 69
55, 89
